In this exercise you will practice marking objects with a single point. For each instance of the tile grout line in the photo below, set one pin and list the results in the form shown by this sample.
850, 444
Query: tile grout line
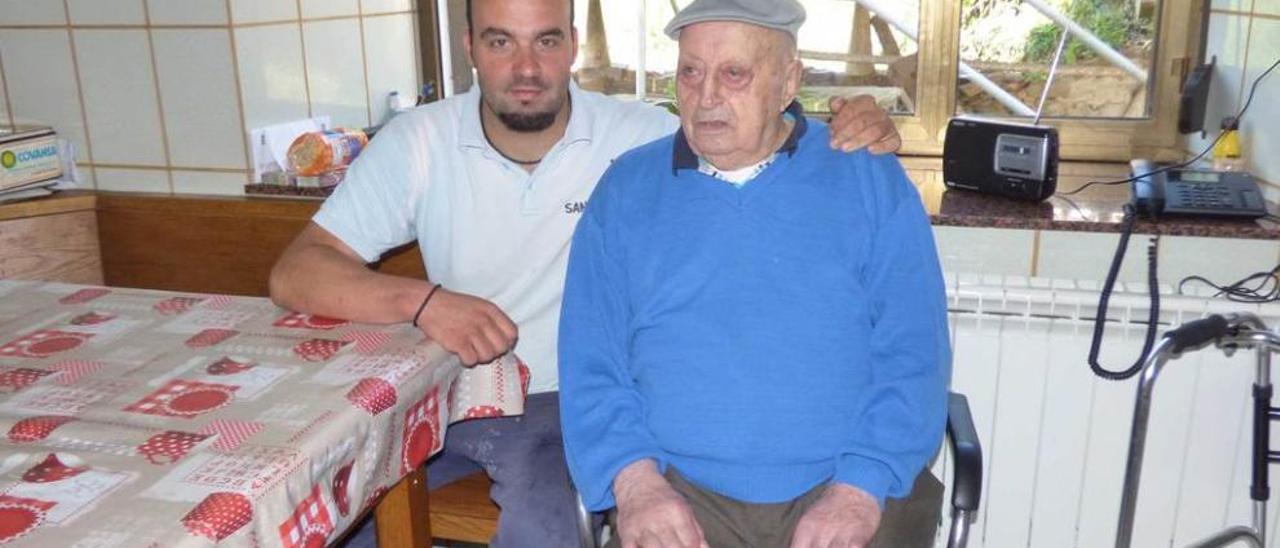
1035, 254
364, 65
107, 26
1244, 62
123, 26
144, 167
84, 111
4, 85
155, 79
320, 19
306, 74
235, 68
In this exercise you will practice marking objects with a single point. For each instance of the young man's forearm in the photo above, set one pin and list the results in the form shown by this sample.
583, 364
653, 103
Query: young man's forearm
317, 279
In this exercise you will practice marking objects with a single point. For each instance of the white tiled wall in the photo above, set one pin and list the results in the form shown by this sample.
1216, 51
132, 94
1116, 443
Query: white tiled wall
994, 251
196, 76
158, 95
41, 81
1086, 256
272, 74
32, 12
1245, 37
258, 11
107, 12
335, 71
187, 12
120, 101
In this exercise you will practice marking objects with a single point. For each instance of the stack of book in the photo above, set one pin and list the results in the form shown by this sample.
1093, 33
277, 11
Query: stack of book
30, 162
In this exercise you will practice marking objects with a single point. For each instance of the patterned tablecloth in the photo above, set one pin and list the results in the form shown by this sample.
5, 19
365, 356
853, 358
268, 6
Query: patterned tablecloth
145, 418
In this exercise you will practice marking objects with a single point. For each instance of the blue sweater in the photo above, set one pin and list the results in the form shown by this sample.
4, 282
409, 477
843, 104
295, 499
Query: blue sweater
762, 339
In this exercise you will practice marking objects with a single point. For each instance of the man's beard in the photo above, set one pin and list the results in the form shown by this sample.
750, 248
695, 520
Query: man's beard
527, 123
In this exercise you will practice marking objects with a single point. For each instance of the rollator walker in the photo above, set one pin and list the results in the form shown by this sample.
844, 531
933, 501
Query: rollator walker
1229, 333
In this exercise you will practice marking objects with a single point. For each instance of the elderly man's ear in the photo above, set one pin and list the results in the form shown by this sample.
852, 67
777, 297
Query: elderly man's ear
794, 79
858, 122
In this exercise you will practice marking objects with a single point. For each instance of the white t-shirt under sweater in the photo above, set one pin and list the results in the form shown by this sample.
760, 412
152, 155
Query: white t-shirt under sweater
486, 227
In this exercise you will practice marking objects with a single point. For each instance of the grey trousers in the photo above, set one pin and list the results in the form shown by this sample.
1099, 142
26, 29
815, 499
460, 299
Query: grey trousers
906, 523
524, 456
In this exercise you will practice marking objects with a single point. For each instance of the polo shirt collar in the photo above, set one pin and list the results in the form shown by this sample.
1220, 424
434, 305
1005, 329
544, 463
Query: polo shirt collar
683, 156
579, 127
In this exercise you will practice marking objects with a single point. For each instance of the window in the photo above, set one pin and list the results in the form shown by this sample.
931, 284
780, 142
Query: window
1008, 49
846, 50
1114, 95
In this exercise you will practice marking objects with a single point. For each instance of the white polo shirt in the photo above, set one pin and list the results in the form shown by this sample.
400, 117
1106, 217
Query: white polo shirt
487, 227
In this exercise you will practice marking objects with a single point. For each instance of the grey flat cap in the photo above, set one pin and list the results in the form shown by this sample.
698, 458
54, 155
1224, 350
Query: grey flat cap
784, 15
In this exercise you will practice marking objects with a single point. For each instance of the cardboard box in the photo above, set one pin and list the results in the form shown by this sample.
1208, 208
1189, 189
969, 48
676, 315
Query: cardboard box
28, 154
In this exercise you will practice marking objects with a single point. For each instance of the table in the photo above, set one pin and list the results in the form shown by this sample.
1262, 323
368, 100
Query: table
145, 418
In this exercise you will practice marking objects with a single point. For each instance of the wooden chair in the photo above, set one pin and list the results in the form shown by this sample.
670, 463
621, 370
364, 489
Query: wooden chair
462, 511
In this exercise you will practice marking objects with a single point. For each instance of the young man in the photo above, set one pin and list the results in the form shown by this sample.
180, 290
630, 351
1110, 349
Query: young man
491, 184
753, 343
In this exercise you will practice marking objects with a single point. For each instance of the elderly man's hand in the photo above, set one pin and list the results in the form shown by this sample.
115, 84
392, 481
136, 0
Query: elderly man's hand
858, 122
843, 517
650, 513
473, 328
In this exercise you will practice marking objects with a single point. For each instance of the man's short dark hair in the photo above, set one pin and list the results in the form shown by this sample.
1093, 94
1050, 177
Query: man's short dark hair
469, 25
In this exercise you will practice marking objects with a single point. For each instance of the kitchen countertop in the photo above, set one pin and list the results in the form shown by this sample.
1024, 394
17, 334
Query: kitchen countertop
59, 202
1096, 209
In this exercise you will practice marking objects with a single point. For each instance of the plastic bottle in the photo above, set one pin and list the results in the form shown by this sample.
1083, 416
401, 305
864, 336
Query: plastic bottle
312, 154
395, 105
1226, 153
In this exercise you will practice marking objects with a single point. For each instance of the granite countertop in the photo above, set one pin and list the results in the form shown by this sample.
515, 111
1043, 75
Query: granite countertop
1096, 209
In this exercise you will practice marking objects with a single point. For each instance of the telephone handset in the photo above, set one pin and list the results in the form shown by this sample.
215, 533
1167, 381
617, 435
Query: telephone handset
1194, 192
1147, 191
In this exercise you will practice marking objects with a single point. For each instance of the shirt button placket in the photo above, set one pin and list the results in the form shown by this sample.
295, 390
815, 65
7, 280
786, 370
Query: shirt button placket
528, 197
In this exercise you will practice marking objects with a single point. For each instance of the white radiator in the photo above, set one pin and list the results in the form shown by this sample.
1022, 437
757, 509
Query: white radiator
1055, 437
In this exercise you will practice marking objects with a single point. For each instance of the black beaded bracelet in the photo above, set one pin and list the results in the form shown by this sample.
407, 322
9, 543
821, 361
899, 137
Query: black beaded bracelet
423, 306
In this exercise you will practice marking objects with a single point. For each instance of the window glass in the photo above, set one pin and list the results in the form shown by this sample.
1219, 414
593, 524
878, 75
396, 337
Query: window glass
847, 49
1007, 48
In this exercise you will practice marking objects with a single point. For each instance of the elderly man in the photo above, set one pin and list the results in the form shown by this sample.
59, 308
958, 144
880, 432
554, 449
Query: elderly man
753, 343
490, 185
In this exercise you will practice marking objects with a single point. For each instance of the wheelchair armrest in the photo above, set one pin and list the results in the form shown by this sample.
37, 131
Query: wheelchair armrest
966, 454
586, 533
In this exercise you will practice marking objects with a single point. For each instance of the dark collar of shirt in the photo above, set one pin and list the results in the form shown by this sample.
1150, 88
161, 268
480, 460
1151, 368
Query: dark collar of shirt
684, 158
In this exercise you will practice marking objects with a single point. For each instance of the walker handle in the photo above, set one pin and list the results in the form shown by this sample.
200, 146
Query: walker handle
1198, 332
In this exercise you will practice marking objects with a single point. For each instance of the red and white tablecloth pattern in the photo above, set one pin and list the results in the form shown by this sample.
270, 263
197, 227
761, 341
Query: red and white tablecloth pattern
144, 418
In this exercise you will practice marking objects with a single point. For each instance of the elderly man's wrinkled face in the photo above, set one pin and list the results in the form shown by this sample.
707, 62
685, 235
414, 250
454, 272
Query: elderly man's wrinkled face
523, 51
733, 81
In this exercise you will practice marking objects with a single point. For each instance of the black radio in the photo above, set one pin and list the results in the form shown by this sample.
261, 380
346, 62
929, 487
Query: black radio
1014, 160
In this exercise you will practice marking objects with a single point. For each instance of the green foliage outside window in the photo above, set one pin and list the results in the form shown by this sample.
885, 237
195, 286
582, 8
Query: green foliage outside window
1112, 21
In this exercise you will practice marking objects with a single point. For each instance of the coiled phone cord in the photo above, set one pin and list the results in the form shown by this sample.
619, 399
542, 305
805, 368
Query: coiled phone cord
1153, 287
